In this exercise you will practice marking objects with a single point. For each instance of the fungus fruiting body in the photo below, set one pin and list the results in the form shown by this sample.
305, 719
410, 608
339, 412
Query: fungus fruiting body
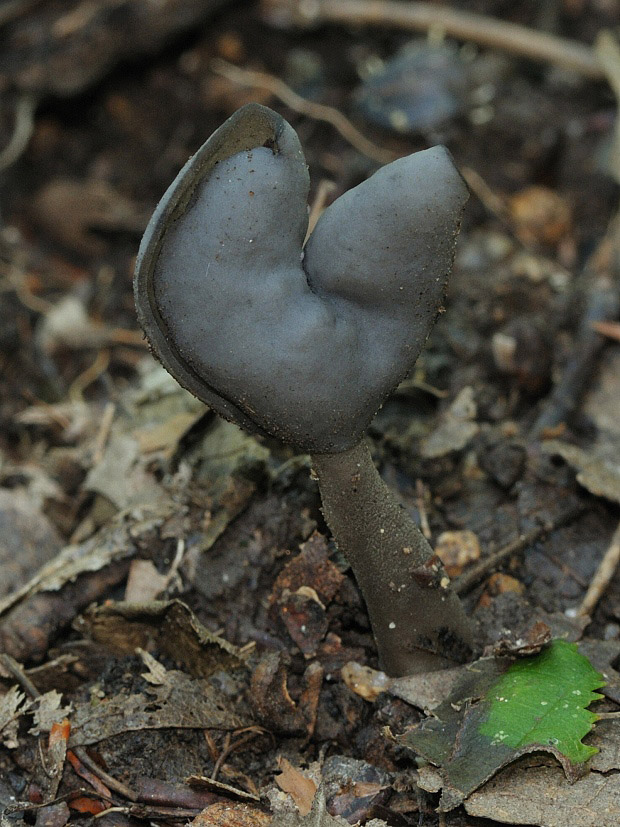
305, 343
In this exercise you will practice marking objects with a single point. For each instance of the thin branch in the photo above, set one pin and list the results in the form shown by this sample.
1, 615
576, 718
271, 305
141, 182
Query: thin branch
109, 780
475, 574
462, 25
609, 329
607, 51
22, 131
602, 578
600, 283
103, 433
88, 376
16, 671
318, 111
324, 190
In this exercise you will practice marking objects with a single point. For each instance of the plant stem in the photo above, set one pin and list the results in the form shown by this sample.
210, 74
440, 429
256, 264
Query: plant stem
418, 621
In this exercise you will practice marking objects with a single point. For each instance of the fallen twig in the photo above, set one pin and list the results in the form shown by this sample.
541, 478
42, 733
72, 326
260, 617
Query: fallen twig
318, 111
22, 131
607, 51
600, 281
16, 671
88, 376
229, 747
462, 25
609, 329
476, 573
324, 190
602, 577
108, 780
103, 433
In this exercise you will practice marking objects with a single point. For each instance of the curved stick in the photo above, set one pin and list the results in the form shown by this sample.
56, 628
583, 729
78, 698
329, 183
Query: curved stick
418, 621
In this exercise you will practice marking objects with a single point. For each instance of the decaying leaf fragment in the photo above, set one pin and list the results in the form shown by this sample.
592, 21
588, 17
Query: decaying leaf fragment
497, 714
301, 788
528, 793
598, 471
12, 705
172, 700
168, 626
456, 428
49, 711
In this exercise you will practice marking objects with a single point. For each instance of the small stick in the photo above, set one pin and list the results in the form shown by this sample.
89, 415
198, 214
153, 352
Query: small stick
16, 278
22, 131
318, 111
225, 751
492, 202
602, 577
420, 493
107, 779
104, 432
173, 571
462, 25
470, 578
17, 672
607, 51
600, 279
609, 329
323, 191
88, 376
119, 336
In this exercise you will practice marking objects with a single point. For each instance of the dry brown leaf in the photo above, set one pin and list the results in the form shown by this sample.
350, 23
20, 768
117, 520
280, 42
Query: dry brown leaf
12, 705
48, 711
170, 626
165, 436
598, 470
533, 794
301, 789
456, 427
178, 701
144, 582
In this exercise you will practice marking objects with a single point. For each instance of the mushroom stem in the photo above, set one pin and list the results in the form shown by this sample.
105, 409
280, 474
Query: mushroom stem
418, 621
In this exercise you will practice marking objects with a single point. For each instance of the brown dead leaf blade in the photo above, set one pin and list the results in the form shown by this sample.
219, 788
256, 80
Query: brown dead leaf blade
172, 700
297, 785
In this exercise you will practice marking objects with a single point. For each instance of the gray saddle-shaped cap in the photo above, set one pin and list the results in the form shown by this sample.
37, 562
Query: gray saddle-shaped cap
301, 344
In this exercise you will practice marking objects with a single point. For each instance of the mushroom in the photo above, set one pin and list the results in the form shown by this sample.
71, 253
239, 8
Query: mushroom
306, 343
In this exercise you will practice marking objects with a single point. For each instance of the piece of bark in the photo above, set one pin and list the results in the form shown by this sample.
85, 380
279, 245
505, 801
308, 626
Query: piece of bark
27, 629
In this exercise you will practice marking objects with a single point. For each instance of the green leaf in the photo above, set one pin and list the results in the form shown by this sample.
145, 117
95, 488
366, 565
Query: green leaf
543, 700
502, 710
